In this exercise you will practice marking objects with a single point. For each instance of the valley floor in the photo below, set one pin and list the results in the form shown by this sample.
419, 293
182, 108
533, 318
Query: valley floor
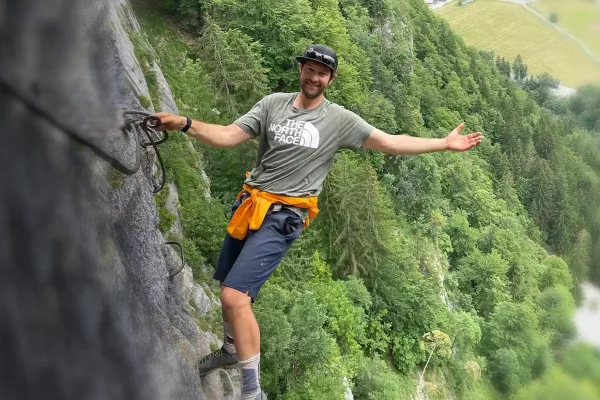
512, 27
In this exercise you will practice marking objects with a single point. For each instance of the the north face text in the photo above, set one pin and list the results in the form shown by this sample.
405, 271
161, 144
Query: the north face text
299, 133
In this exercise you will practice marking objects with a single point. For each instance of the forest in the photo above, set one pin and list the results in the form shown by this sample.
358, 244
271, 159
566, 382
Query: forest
454, 274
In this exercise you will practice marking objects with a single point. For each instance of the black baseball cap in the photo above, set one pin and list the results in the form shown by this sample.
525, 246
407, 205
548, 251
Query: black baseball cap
321, 54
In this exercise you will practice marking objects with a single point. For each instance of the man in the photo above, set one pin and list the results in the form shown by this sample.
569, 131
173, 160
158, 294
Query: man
298, 134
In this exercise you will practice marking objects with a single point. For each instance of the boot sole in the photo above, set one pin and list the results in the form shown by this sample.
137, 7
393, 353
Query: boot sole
228, 366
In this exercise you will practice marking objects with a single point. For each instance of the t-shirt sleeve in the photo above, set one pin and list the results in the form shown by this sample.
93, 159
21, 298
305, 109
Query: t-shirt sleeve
252, 122
353, 130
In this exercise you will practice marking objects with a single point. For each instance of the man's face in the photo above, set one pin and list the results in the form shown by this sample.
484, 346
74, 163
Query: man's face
314, 78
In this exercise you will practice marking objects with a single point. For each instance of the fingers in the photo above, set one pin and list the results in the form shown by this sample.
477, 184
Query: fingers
472, 142
165, 117
167, 121
460, 127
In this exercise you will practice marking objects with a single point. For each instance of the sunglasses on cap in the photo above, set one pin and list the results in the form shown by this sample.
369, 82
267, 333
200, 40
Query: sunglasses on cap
324, 58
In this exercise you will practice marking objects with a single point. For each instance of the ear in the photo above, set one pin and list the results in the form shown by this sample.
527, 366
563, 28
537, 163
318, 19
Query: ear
332, 77
300, 65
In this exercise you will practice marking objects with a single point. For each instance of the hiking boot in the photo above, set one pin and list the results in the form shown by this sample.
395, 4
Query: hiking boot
215, 360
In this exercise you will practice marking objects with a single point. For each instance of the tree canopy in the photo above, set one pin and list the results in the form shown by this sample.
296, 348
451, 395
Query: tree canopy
466, 250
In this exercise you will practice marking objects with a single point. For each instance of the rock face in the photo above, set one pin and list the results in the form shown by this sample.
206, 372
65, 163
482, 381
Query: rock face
88, 309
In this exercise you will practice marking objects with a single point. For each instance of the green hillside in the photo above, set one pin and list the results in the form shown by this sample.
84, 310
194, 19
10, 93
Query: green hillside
467, 263
509, 29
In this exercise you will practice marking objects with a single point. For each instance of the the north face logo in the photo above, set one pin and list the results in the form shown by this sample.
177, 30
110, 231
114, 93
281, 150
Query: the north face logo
296, 132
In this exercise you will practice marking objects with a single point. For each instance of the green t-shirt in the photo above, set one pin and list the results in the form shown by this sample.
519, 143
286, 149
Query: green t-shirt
297, 146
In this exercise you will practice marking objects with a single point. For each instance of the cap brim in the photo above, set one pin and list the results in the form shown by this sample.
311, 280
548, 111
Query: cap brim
304, 59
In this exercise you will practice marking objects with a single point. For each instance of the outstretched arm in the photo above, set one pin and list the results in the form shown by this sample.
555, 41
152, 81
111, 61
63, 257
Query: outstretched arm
219, 136
404, 144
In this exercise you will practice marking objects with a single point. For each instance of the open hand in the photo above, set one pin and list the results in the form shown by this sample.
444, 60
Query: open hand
457, 142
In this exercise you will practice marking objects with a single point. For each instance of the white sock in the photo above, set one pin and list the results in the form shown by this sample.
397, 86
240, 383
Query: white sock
250, 371
228, 343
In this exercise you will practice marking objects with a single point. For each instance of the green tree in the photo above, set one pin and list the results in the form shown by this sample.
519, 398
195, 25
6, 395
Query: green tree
483, 278
346, 321
555, 272
413, 305
462, 236
399, 223
540, 87
357, 214
235, 67
503, 66
505, 370
514, 328
191, 12
377, 380
540, 199
295, 343
579, 256
417, 185
465, 333
519, 68
557, 309
319, 385
557, 386
585, 105
438, 343
283, 28
582, 361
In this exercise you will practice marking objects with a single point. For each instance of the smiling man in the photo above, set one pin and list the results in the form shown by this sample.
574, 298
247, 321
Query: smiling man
299, 134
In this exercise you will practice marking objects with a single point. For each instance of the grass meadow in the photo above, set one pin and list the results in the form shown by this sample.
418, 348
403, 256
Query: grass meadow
509, 29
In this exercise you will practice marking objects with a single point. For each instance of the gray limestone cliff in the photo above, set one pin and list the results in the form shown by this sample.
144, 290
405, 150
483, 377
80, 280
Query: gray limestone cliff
86, 293
180, 300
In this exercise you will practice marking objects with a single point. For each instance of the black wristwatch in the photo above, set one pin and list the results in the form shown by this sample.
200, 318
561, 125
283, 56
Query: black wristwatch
187, 124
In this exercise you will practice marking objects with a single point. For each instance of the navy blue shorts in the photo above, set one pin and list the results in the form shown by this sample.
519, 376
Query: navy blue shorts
246, 264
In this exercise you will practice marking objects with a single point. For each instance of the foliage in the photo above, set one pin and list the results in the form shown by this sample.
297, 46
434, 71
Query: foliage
377, 380
166, 217
575, 376
540, 87
202, 217
558, 385
519, 68
361, 239
582, 361
465, 334
483, 278
557, 309
487, 246
237, 74
585, 105
505, 370
438, 343
556, 272
146, 60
